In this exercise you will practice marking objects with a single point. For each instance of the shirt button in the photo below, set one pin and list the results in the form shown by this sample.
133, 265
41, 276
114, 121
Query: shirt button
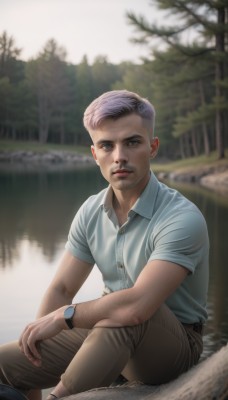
120, 266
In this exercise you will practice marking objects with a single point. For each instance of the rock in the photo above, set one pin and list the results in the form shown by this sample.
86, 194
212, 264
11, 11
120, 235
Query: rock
214, 177
162, 176
52, 157
217, 182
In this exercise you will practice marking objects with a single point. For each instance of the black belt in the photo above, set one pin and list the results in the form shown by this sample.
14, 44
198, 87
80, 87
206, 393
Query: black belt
197, 327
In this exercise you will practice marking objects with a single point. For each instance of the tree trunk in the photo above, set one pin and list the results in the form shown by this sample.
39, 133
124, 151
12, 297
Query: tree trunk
194, 143
204, 125
219, 77
44, 120
14, 133
188, 152
181, 147
62, 129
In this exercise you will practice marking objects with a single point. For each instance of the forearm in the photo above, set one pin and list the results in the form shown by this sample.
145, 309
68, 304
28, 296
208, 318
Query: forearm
115, 309
53, 299
126, 307
135, 305
69, 278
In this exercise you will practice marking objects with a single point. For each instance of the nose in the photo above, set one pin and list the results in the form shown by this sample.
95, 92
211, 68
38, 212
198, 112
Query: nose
119, 154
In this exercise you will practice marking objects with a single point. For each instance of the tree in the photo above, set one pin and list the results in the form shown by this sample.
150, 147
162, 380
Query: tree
104, 74
136, 78
207, 18
11, 74
8, 57
85, 94
189, 81
47, 77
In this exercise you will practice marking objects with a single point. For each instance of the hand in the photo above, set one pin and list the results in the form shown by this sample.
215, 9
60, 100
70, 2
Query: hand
41, 329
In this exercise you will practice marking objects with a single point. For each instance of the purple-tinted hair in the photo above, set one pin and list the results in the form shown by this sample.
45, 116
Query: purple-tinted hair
116, 104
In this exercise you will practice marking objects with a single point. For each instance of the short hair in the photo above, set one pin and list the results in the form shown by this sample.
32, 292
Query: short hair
116, 104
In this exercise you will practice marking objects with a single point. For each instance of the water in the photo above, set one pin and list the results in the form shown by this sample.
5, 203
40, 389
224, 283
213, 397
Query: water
36, 209
214, 206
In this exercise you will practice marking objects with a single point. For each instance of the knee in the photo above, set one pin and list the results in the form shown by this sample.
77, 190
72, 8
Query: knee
3, 364
116, 338
8, 357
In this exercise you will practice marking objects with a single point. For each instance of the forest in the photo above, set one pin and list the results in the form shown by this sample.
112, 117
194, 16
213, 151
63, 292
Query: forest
43, 99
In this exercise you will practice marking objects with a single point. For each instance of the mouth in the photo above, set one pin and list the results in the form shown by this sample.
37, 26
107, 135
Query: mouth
122, 172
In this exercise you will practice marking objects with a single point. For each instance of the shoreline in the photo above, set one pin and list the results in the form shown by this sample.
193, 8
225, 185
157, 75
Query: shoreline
213, 176
48, 157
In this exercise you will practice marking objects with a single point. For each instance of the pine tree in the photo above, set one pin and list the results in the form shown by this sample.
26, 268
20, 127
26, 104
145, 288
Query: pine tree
208, 20
47, 77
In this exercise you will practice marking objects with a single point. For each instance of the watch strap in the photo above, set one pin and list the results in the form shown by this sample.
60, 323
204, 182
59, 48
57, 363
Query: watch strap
69, 323
69, 319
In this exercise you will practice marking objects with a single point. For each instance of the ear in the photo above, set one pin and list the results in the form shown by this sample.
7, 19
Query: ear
154, 146
94, 154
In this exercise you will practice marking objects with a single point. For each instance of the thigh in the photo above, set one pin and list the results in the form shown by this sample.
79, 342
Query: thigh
100, 359
56, 353
163, 351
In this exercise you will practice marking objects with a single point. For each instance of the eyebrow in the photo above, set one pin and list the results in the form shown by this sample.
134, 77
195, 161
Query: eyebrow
102, 141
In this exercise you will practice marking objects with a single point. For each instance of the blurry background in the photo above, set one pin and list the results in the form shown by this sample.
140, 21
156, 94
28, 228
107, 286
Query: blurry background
56, 56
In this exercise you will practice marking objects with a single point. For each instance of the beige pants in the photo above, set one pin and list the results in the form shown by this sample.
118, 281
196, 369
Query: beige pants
153, 352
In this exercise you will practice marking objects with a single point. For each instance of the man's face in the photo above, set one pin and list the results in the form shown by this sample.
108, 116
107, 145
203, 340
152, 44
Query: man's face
123, 149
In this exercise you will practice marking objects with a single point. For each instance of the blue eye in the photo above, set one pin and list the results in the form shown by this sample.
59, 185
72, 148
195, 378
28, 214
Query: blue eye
133, 143
106, 146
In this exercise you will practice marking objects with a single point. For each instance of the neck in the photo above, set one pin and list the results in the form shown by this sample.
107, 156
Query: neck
121, 207
123, 201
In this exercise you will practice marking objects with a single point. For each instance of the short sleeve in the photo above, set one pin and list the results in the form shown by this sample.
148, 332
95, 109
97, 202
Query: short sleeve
182, 239
77, 242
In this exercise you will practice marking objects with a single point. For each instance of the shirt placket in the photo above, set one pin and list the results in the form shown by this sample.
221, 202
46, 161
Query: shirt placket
120, 257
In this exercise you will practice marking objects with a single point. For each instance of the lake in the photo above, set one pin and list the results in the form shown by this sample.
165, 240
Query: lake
36, 210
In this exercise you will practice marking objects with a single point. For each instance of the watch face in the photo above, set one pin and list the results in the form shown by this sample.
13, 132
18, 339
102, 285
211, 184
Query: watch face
69, 312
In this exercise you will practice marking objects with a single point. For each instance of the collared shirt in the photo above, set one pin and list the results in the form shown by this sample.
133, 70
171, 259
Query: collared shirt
161, 225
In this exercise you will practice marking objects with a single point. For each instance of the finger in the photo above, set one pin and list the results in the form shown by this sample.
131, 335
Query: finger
27, 345
34, 360
21, 336
32, 344
23, 339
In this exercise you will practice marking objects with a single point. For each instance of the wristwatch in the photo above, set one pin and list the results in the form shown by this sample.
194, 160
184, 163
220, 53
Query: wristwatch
68, 316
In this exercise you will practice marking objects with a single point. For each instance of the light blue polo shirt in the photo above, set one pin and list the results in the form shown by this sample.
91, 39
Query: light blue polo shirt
162, 225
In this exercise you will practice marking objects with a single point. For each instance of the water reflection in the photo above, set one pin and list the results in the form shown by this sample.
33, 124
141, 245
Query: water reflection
215, 209
40, 205
36, 209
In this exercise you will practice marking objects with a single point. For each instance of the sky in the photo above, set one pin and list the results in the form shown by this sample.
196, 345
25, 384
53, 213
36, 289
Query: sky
82, 27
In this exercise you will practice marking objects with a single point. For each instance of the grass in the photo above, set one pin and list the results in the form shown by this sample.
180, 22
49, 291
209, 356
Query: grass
192, 163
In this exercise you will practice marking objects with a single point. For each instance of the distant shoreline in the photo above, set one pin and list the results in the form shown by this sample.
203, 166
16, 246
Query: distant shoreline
51, 157
213, 176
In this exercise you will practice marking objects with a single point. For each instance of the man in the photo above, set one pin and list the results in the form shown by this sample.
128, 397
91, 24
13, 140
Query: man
151, 246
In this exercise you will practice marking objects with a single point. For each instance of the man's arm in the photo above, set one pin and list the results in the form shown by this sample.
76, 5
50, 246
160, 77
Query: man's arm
157, 281
69, 278
122, 308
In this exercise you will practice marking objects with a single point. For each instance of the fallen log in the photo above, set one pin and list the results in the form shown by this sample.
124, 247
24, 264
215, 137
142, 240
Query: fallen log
208, 381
